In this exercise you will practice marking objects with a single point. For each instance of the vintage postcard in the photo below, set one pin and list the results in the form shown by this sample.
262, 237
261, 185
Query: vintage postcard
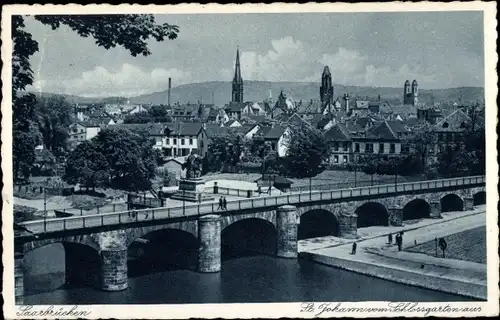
249, 161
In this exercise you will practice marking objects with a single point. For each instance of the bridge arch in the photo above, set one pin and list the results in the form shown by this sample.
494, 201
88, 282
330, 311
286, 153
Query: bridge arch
85, 240
372, 214
416, 209
318, 223
50, 265
479, 198
248, 237
134, 233
162, 249
451, 202
269, 216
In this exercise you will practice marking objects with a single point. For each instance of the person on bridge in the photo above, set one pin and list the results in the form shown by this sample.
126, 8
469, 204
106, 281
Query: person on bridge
354, 246
224, 202
221, 204
389, 238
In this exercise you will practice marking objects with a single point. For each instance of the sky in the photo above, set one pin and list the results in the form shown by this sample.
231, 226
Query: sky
439, 49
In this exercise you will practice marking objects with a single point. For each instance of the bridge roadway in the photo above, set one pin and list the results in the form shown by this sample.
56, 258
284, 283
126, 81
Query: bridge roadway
233, 207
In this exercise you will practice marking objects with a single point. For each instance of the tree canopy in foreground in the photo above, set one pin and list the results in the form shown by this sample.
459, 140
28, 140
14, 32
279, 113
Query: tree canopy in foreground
130, 31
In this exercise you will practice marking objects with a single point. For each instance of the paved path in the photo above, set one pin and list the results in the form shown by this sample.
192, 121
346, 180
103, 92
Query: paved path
379, 231
375, 257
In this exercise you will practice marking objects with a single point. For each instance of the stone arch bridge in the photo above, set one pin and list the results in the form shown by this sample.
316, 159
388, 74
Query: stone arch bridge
290, 217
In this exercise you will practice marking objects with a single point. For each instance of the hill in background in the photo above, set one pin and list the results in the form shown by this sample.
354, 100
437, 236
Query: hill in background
260, 90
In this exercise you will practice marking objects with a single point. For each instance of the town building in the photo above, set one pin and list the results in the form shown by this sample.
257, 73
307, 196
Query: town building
180, 139
80, 131
186, 112
354, 138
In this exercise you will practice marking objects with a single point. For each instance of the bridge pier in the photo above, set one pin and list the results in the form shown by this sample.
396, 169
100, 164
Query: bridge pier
435, 210
468, 203
395, 216
209, 250
114, 274
348, 225
287, 229
18, 278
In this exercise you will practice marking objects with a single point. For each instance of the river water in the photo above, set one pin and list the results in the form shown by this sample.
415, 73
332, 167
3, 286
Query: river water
245, 279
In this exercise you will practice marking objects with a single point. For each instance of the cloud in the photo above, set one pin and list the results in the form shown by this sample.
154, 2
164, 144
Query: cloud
350, 67
288, 60
294, 60
128, 81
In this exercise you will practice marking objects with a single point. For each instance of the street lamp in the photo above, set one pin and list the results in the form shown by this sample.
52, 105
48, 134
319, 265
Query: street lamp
44, 209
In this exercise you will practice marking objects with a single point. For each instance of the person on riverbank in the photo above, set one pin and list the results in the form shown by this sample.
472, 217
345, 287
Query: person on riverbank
354, 247
389, 238
224, 203
399, 242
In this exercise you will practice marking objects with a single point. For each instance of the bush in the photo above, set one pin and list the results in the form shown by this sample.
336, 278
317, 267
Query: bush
23, 213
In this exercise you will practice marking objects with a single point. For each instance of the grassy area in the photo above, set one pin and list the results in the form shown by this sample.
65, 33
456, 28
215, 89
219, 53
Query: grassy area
326, 177
468, 245
251, 177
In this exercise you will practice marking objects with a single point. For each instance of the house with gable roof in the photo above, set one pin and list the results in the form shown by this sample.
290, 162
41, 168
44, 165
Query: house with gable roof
450, 130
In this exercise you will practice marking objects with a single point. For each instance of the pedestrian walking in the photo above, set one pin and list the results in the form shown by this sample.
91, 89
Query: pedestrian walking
389, 238
224, 203
269, 190
354, 246
146, 215
399, 241
221, 204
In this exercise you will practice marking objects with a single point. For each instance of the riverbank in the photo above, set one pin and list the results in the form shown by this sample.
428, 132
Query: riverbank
376, 258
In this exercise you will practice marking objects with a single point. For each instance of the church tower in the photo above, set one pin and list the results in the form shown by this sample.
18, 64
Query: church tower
414, 92
407, 94
237, 80
326, 89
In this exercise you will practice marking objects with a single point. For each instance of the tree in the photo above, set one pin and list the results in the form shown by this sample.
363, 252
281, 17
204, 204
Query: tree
45, 163
23, 150
225, 152
420, 142
115, 157
130, 31
138, 117
155, 114
307, 151
130, 156
53, 115
159, 114
87, 166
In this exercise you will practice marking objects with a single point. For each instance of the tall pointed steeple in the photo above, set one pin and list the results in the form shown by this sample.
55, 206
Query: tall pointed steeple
326, 89
237, 94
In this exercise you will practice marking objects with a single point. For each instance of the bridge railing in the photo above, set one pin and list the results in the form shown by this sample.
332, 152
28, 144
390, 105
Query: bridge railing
132, 216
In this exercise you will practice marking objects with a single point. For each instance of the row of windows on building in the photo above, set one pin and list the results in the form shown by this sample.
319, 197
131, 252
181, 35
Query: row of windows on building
182, 141
172, 152
368, 147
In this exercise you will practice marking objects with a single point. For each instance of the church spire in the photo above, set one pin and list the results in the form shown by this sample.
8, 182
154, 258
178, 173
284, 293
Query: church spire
237, 94
237, 70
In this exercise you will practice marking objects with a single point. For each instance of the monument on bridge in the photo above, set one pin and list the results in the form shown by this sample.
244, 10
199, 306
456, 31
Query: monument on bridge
192, 187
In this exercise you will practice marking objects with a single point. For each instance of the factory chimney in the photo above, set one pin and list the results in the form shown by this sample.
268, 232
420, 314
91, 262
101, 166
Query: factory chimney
169, 87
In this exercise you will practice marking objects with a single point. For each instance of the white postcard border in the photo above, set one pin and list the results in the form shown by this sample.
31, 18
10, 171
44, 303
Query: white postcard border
253, 310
